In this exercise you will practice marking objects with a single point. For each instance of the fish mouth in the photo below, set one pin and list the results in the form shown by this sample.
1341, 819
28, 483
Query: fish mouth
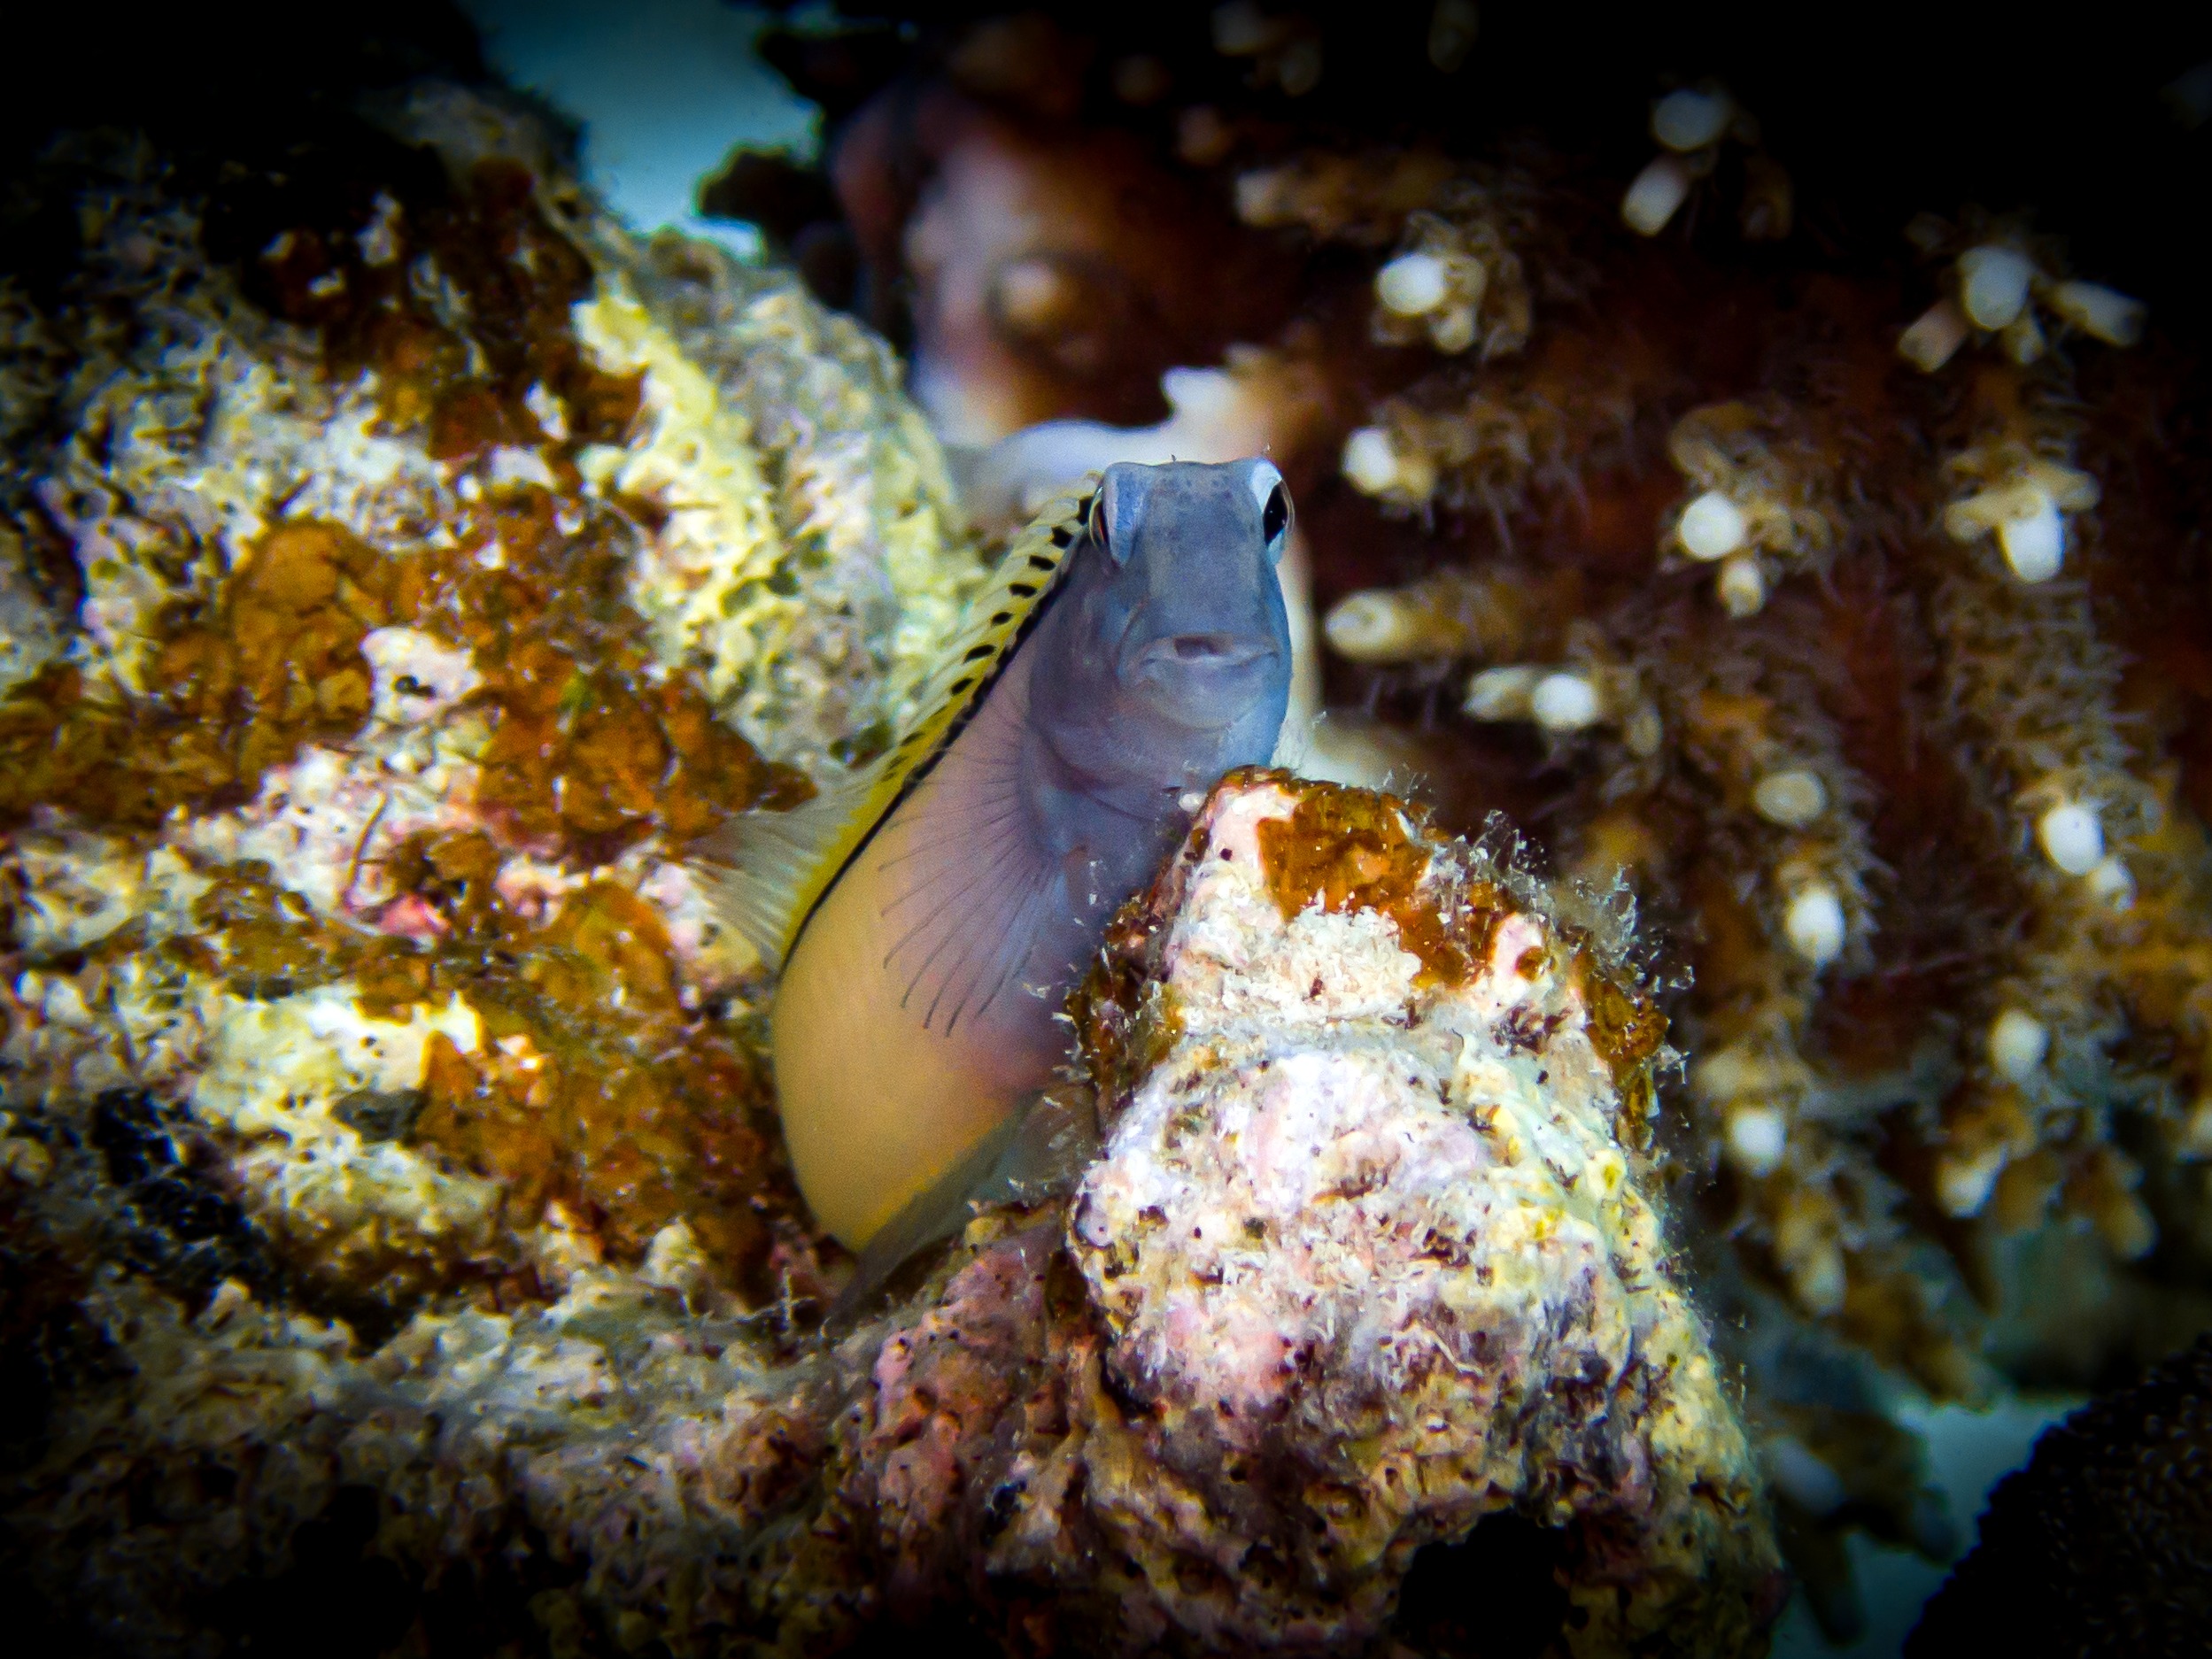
1202, 651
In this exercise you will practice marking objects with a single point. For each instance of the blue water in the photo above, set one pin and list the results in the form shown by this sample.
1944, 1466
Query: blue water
663, 87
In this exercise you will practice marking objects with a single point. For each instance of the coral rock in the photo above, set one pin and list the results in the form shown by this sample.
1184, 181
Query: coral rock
1367, 1258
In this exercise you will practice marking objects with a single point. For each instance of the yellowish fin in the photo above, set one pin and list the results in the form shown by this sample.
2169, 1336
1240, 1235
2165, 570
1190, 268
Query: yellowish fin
772, 871
1039, 1152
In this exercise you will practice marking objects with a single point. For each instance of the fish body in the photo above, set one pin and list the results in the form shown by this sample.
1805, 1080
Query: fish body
933, 919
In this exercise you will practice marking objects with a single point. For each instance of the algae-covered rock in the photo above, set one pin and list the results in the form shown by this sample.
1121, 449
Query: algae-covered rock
444, 561
362, 1023
1371, 1257
1363, 1290
1364, 1274
413, 565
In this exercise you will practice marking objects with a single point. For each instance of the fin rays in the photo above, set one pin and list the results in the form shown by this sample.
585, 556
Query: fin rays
1010, 961
770, 870
972, 885
761, 863
995, 949
974, 880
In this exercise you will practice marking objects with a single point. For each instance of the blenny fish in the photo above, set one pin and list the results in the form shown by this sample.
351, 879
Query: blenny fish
930, 915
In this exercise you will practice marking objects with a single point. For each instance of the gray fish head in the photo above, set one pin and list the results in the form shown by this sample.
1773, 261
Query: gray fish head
1162, 663
1188, 610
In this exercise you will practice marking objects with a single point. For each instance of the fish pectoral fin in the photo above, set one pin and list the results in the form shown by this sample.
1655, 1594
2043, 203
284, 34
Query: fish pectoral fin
966, 904
762, 868
1038, 1151
1054, 1139
937, 1213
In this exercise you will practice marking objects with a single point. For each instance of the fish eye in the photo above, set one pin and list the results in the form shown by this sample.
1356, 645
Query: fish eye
1095, 523
1274, 520
1272, 499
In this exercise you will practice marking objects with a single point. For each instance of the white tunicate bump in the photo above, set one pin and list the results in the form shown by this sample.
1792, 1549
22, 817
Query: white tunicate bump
1453, 332
1815, 922
1792, 798
2112, 882
1369, 460
1963, 1184
2102, 313
1563, 702
2017, 1043
1690, 120
1377, 625
1742, 585
1365, 625
1993, 284
1727, 1074
1500, 693
1656, 192
1757, 1136
1711, 527
1935, 335
1412, 284
2071, 837
1032, 295
2035, 546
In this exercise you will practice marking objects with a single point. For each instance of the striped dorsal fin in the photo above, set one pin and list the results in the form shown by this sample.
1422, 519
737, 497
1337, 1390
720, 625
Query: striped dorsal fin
770, 870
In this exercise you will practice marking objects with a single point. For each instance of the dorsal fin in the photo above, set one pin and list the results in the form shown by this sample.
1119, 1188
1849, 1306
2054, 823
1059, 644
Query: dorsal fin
770, 870
761, 863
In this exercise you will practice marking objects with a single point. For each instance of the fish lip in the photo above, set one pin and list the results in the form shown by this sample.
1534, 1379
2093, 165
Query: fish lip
1202, 651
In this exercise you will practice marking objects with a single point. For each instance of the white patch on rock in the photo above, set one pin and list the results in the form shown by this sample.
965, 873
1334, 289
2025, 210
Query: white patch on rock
275, 1066
1356, 1212
277, 1072
326, 823
418, 677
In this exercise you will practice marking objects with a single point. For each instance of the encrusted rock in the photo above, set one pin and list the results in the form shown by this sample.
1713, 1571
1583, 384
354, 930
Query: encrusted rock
1364, 1270
1364, 1261
420, 568
393, 1228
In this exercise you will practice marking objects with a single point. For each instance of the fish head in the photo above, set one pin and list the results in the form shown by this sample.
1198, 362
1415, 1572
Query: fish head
1177, 613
